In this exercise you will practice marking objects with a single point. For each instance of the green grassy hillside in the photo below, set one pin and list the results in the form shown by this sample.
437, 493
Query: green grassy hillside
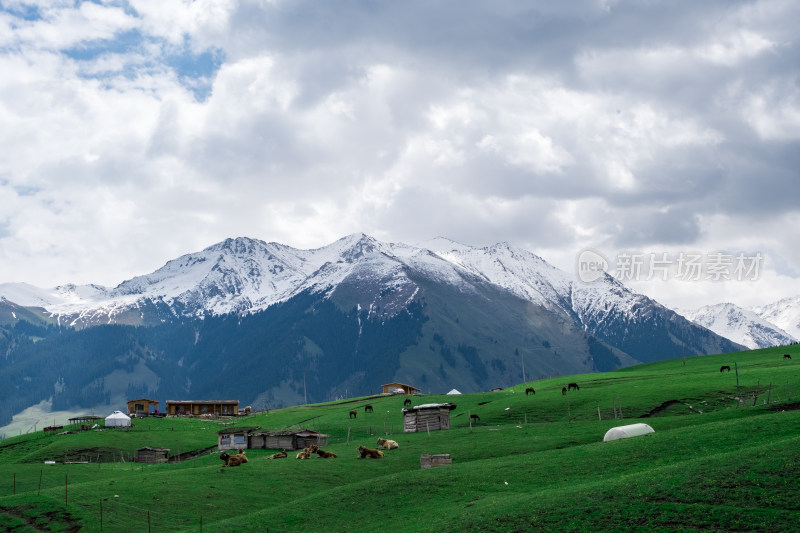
723, 458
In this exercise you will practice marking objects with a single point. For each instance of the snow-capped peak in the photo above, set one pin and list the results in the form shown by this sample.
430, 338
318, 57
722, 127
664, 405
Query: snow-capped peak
740, 325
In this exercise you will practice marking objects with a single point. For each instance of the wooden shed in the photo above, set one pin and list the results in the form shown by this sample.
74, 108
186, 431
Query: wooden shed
235, 438
399, 388
141, 407
288, 440
427, 417
202, 407
152, 455
86, 422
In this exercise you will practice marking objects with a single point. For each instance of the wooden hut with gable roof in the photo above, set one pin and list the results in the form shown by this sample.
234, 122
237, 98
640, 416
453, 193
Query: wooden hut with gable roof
427, 417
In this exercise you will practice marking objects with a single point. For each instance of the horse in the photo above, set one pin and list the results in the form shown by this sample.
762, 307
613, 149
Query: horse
530, 390
723, 368
353, 414
571, 386
474, 417
367, 408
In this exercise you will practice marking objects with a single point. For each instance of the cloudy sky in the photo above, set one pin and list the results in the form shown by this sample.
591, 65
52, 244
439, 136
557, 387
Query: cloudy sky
134, 131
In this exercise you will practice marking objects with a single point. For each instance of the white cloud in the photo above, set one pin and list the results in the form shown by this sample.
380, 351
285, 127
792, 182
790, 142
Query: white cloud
600, 124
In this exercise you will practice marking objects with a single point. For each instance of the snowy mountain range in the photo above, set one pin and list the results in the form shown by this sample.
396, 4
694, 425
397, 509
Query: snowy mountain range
342, 319
245, 275
757, 328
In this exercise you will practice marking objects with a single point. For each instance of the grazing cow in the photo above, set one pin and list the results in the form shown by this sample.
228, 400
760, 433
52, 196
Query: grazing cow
787, 356
367, 408
563, 391
723, 368
387, 444
369, 453
353, 414
530, 390
571, 386
474, 417
407, 403
233, 460
326, 455
279, 455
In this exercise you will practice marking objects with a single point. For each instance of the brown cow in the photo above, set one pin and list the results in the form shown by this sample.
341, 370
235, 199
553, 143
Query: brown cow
369, 453
367, 408
407, 403
353, 414
563, 390
787, 356
326, 455
279, 455
233, 460
723, 368
571, 386
530, 390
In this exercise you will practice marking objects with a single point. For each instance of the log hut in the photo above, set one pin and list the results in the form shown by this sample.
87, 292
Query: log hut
427, 417
152, 455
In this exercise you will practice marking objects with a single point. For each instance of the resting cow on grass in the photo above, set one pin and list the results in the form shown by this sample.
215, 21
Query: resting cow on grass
369, 453
279, 455
326, 455
233, 460
305, 453
387, 444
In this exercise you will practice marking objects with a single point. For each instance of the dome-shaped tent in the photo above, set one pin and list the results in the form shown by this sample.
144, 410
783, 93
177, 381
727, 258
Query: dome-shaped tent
118, 419
623, 432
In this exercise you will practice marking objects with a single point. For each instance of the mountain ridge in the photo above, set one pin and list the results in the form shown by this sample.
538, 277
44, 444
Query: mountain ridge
271, 320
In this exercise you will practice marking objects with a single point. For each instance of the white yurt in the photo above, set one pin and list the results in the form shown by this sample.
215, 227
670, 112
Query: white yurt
118, 419
623, 432
454, 391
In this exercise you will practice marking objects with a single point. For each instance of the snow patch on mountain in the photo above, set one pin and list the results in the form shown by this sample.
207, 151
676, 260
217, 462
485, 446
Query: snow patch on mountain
784, 313
739, 325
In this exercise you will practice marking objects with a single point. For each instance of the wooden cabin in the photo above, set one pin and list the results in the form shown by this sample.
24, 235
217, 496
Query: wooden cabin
235, 438
152, 455
427, 417
199, 408
399, 388
141, 407
287, 440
